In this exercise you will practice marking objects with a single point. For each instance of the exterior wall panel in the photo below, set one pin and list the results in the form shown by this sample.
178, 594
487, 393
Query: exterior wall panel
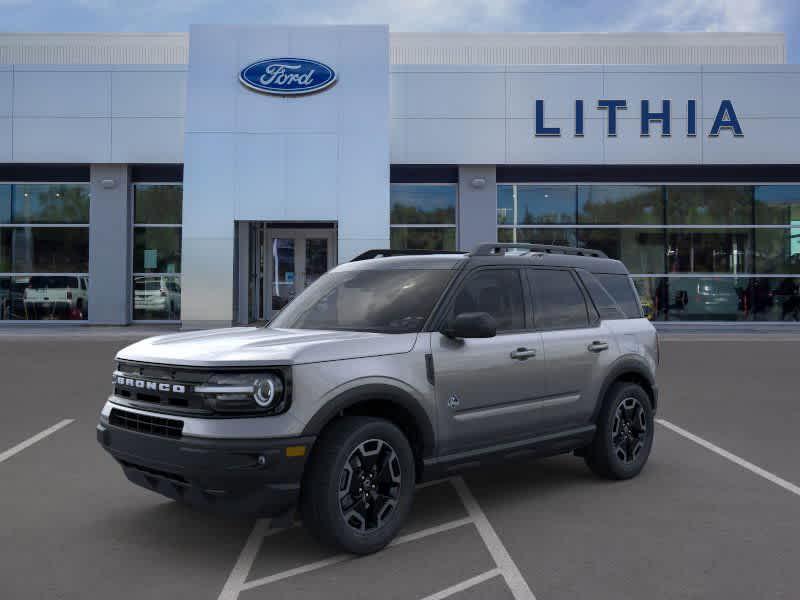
313, 140
60, 139
762, 96
147, 140
61, 93
6, 91
6, 136
148, 93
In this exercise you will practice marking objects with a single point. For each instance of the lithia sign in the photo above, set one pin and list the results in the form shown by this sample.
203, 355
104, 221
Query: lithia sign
726, 119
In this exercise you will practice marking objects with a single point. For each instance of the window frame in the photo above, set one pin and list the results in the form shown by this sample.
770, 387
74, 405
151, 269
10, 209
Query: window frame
454, 226
650, 281
83, 277
132, 226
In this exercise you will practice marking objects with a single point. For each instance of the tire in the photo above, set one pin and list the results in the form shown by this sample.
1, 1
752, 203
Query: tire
353, 520
624, 435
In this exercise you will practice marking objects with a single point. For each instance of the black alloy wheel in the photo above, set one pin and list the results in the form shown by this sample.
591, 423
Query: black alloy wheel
359, 484
369, 486
629, 430
624, 435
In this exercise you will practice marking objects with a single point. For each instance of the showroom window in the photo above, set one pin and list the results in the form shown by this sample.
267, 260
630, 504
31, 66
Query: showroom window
696, 252
156, 286
44, 251
423, 216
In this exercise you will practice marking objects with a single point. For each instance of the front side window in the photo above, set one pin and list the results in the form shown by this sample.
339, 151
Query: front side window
423, 216
378, 300
157, 214
494, 291
558, 301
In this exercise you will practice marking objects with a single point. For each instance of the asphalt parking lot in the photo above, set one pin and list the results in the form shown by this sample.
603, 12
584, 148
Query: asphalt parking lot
715, 514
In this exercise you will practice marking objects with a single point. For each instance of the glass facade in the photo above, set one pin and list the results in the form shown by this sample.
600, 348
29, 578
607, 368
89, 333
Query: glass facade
156, 286
44, 251
423, 216
697, 252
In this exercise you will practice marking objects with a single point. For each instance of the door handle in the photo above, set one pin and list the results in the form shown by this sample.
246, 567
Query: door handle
598, 346
523, 354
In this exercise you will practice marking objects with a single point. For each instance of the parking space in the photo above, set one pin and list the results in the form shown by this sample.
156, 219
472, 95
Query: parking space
695, 524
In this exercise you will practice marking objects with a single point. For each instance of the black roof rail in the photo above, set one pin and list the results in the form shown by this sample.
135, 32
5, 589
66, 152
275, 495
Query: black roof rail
501, 248
386, 252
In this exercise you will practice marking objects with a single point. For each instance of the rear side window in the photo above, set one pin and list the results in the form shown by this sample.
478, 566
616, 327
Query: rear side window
606, 305
621, 289
558, 302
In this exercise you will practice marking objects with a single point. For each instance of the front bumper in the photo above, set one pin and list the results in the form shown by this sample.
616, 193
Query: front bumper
232, 476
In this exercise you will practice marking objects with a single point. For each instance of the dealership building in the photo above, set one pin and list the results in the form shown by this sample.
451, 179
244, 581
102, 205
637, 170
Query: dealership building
208, 177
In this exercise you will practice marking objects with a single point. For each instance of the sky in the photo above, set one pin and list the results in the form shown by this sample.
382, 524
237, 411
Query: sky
414, 15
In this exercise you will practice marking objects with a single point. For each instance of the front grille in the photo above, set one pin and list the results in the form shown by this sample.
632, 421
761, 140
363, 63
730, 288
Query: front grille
186, 402
171, 428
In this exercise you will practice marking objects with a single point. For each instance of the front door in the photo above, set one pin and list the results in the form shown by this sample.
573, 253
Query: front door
293, 260
489, 391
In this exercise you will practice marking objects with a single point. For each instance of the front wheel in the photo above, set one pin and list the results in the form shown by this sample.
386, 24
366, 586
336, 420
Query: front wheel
359, 486
624, 433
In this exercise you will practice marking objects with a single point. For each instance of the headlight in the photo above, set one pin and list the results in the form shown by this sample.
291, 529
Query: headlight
261, 393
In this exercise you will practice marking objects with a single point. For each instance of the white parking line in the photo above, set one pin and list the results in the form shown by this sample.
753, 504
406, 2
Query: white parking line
33, 439
232, 587
771, 477
464, 585
339, 558
516, 583
237, 580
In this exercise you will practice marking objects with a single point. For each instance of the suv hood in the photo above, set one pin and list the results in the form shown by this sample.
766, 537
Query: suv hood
257, 346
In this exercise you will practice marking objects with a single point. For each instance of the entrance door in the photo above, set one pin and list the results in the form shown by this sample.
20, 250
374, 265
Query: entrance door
293, 260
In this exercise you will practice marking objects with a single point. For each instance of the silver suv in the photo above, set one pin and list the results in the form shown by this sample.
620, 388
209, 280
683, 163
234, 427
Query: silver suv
388, 371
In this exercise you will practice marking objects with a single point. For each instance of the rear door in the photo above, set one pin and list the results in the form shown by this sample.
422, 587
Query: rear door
578, 347
487, 389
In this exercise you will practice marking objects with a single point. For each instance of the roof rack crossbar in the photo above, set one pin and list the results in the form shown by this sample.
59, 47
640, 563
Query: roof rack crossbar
502, 248
386, 252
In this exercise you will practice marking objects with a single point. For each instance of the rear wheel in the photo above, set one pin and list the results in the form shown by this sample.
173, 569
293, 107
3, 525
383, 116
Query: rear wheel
359, 486
624, 434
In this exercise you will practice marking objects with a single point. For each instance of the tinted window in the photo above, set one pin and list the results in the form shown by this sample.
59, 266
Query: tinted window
497, 292
385, 301
160, 204
612, 204
558, 301
606, 306
619, 286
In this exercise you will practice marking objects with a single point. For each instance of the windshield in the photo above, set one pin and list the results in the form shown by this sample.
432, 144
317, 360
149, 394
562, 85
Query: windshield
385, 301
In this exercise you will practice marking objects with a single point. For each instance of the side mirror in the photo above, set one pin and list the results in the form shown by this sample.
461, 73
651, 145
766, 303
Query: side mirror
647, 311
471, 325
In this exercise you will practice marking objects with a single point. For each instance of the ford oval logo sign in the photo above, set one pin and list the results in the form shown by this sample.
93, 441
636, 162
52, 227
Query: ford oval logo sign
287, 76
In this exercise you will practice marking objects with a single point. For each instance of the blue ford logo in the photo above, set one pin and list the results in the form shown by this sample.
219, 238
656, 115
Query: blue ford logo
287, 76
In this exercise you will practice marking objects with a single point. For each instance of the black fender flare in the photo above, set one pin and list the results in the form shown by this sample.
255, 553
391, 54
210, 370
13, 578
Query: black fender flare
382, 392
623, 366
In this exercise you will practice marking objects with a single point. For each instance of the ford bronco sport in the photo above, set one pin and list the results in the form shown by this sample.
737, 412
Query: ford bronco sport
388, 371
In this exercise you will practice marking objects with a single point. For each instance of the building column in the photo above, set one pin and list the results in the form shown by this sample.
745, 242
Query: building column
109, 245
477, 206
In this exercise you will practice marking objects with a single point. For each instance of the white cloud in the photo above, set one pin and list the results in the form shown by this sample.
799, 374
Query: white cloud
417, 15
705, 15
